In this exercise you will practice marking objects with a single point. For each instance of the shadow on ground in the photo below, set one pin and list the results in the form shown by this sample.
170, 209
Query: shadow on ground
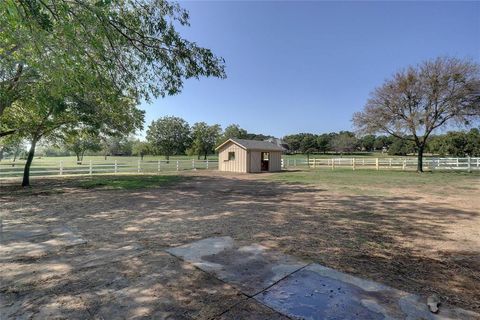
406, 242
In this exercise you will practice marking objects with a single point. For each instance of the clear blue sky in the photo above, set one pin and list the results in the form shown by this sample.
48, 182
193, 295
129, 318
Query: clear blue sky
307, 66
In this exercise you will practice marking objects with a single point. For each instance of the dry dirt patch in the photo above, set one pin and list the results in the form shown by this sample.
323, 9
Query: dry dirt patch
415, 242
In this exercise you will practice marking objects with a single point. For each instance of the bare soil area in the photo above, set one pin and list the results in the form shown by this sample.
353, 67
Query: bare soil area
418, 242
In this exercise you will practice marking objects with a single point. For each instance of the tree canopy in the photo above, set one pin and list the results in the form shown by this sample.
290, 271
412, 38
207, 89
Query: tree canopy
169, 136
422, 98
64, 63
130, 47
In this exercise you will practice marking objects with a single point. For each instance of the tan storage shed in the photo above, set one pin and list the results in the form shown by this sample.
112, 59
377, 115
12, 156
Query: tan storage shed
239, 155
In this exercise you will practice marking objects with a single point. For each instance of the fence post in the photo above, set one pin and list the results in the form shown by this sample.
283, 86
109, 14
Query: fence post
295, 162
193, 164
61, 167
353, 164
469, 164
115, 167
457, 162
404, 164
390, 162
177, 165
333, 164
158, 166
282, 164
207, 163
376, 163
90, 168
138, 166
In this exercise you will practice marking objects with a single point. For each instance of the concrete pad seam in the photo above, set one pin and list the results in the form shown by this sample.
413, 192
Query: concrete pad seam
276, 282
247, 295
223, 281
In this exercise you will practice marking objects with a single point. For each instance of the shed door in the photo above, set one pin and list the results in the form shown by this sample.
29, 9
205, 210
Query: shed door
265, 158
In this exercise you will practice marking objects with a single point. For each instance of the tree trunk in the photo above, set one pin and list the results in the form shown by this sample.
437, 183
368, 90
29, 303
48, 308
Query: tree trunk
205, 156
79, 161
26, 171
141, 156
420, 158
167, 157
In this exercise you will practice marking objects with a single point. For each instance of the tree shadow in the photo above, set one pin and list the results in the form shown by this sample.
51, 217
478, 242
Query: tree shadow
403, 241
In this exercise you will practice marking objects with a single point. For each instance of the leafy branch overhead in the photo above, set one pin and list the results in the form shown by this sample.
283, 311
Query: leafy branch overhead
66, 64
130, 45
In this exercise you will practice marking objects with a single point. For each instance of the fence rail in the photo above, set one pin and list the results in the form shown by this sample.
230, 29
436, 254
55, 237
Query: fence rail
15, 169
12, 170
453, 164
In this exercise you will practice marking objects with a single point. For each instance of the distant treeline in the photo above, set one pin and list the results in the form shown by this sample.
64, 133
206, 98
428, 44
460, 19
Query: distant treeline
453, 143
200, 139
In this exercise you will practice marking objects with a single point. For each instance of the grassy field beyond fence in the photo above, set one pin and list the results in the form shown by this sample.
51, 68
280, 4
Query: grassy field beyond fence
47, 166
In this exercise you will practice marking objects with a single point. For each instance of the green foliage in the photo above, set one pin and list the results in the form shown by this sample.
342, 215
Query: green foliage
401, 147
367, 143
233, 131
11, 146
130, 46
116, 145
80, 140
141, 148
457, 144
169, 136
344, 142
204, 138
308, 144
421, 98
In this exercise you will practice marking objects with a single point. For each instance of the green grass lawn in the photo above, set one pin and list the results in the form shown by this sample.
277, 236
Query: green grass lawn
128, 182
367, 181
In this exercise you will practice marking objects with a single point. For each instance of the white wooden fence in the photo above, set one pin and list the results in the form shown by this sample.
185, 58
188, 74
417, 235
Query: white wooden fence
15, 170
11, 170
465, 164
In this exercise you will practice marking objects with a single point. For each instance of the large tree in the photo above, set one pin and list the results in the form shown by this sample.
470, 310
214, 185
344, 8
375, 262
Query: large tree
81, 139
234, 131
128, 47
141, 148
422, 98
169, 136
344, 141
204, 138
47, 116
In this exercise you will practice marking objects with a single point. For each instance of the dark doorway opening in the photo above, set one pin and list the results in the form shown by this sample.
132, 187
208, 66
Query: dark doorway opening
265, 157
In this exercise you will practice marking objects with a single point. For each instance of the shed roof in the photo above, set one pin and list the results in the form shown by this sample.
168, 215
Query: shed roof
253, 145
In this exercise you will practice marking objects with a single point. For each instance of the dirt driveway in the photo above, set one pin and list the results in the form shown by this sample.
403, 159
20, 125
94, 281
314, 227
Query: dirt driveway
420, 244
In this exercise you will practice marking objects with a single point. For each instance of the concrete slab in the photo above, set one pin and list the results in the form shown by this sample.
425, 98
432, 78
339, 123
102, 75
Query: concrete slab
318, 292
300, 291
251, 269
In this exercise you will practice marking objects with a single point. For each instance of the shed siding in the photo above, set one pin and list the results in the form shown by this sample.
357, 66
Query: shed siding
237, 165
275, 161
